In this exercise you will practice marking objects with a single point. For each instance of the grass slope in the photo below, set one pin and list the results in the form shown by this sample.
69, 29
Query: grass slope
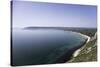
88, 53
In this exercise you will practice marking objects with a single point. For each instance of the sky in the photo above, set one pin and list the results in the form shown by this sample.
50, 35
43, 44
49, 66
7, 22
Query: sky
27, 14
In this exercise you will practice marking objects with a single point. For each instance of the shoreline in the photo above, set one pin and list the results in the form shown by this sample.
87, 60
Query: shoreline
69, 53
74, 51
78, 50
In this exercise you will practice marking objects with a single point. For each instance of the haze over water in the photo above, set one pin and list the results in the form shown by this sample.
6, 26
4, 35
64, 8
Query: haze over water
42, 45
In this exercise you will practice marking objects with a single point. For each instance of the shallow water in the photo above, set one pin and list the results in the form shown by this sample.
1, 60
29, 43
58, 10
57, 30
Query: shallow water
42, 46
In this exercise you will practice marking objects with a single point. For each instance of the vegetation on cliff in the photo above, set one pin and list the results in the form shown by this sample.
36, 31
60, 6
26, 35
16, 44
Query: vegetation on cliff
88, 53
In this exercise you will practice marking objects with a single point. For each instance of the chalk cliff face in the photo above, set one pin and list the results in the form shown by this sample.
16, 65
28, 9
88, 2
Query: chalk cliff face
94, 37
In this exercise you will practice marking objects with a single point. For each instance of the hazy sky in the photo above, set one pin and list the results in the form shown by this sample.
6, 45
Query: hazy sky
50, 14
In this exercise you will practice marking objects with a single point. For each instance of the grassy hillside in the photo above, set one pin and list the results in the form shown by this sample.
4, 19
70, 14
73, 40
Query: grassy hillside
88, 53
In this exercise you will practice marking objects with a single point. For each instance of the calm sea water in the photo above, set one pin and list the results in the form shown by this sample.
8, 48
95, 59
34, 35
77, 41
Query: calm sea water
42, 46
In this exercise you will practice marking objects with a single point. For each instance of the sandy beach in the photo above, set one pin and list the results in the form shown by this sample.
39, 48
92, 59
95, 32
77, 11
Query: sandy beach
78, 50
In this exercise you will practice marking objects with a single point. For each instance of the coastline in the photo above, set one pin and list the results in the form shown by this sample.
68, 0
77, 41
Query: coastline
75, 51
87, 52
78, 50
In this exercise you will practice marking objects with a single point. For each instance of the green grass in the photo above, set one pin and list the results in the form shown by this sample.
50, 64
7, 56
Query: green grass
88, 53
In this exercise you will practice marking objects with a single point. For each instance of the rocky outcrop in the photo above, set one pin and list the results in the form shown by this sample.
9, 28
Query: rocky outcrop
94, 37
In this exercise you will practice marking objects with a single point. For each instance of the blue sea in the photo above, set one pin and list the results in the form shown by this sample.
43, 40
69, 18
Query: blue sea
42, 46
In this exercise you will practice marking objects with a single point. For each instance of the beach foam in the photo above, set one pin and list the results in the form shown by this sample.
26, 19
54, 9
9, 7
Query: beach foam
78, 50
